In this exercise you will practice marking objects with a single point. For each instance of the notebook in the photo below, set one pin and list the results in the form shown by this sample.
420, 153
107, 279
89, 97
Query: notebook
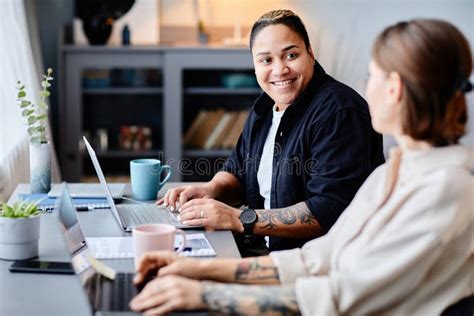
197, 245
47, 203
89, 190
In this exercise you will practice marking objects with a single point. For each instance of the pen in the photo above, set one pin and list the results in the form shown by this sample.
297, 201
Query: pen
185, 249
87, 208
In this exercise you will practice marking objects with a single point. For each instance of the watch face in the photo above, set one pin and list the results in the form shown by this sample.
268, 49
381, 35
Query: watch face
248, 216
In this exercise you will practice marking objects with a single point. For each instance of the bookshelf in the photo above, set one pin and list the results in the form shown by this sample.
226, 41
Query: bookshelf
162, 88
123, 90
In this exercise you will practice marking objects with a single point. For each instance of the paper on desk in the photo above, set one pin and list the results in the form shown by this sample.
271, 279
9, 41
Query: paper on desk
122, 247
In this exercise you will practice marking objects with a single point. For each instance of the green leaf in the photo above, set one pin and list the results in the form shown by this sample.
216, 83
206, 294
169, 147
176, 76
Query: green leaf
27, 112
21, 94
20, 209
36, 140
31, 131
41, 117
24, 103
42, 105
45, 93
40, 128
45, 84
32, 120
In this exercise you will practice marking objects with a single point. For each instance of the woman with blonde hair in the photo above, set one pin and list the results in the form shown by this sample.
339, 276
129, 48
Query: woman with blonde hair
404, 244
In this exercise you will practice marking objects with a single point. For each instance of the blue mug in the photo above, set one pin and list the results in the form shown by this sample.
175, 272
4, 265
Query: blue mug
145, 177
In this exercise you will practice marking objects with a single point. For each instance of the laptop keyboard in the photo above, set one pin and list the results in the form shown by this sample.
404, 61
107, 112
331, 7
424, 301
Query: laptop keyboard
113, 295
136, 214
123, 290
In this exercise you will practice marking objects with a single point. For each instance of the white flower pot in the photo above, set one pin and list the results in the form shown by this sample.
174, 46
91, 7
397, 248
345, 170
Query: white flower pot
19, 237
40, 168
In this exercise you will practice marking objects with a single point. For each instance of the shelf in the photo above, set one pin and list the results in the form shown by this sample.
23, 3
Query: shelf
124, 90
207, 153
163, 88
220, 90
110, 179
127, 154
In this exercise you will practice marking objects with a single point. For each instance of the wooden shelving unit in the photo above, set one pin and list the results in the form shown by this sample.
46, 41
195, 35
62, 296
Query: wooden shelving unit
167, 106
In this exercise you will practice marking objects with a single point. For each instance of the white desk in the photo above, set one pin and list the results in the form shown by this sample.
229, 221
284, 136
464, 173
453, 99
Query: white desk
48, 294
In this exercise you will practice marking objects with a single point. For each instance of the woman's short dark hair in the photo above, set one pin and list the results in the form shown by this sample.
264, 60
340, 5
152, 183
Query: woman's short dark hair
433, 59
285, 17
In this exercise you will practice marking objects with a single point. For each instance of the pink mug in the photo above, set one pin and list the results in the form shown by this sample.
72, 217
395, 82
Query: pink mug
150, 237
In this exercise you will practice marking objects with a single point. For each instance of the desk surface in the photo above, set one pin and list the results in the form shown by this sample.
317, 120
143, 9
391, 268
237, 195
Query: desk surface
47, 294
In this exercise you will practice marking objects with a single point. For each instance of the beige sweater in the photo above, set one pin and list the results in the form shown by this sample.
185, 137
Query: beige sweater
404, 246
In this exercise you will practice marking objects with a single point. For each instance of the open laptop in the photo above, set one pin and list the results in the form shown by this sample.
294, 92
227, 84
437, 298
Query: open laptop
89, 190
131, 215
105, 296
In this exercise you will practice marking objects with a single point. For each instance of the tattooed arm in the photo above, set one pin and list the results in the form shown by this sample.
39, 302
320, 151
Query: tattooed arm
166, 294
256, 270
249, 300
292, 221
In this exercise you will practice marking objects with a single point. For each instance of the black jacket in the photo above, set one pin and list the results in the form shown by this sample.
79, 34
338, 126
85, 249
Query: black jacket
325, 149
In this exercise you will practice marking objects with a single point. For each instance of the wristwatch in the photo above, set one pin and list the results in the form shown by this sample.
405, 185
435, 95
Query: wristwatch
248, 218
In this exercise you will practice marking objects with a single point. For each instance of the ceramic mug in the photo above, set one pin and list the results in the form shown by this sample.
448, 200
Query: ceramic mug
145, 176
149, 237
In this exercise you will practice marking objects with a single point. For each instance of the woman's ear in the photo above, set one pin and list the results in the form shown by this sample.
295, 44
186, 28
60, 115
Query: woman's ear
311, 54
395, 87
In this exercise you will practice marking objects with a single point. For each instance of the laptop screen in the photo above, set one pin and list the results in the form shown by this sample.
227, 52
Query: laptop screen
101, 176
71, 230
68, 222
99, 290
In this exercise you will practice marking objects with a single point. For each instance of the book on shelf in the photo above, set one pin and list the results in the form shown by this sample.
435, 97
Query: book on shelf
215, 129
225, 121
225, 131
195, 125
233, 136
204, 128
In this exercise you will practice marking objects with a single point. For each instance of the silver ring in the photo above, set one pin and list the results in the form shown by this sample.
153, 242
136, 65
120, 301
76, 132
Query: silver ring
202, 214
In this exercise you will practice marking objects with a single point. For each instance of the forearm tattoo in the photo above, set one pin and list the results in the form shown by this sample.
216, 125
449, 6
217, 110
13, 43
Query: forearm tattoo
287, 216
249, 300
252, 270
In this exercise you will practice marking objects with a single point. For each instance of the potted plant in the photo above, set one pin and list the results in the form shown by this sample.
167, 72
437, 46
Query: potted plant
19, 230
40, 148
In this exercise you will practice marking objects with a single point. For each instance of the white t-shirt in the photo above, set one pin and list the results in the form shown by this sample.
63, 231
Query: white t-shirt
265, 170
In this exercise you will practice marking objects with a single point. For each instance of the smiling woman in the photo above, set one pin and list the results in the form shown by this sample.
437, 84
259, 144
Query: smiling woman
306, 147
283, 64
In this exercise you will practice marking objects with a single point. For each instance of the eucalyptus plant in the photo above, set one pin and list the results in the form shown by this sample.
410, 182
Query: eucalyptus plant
20, 209
36, 115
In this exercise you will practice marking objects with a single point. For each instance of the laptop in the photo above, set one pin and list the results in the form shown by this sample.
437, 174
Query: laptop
89, 190
105, 296
131, 215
